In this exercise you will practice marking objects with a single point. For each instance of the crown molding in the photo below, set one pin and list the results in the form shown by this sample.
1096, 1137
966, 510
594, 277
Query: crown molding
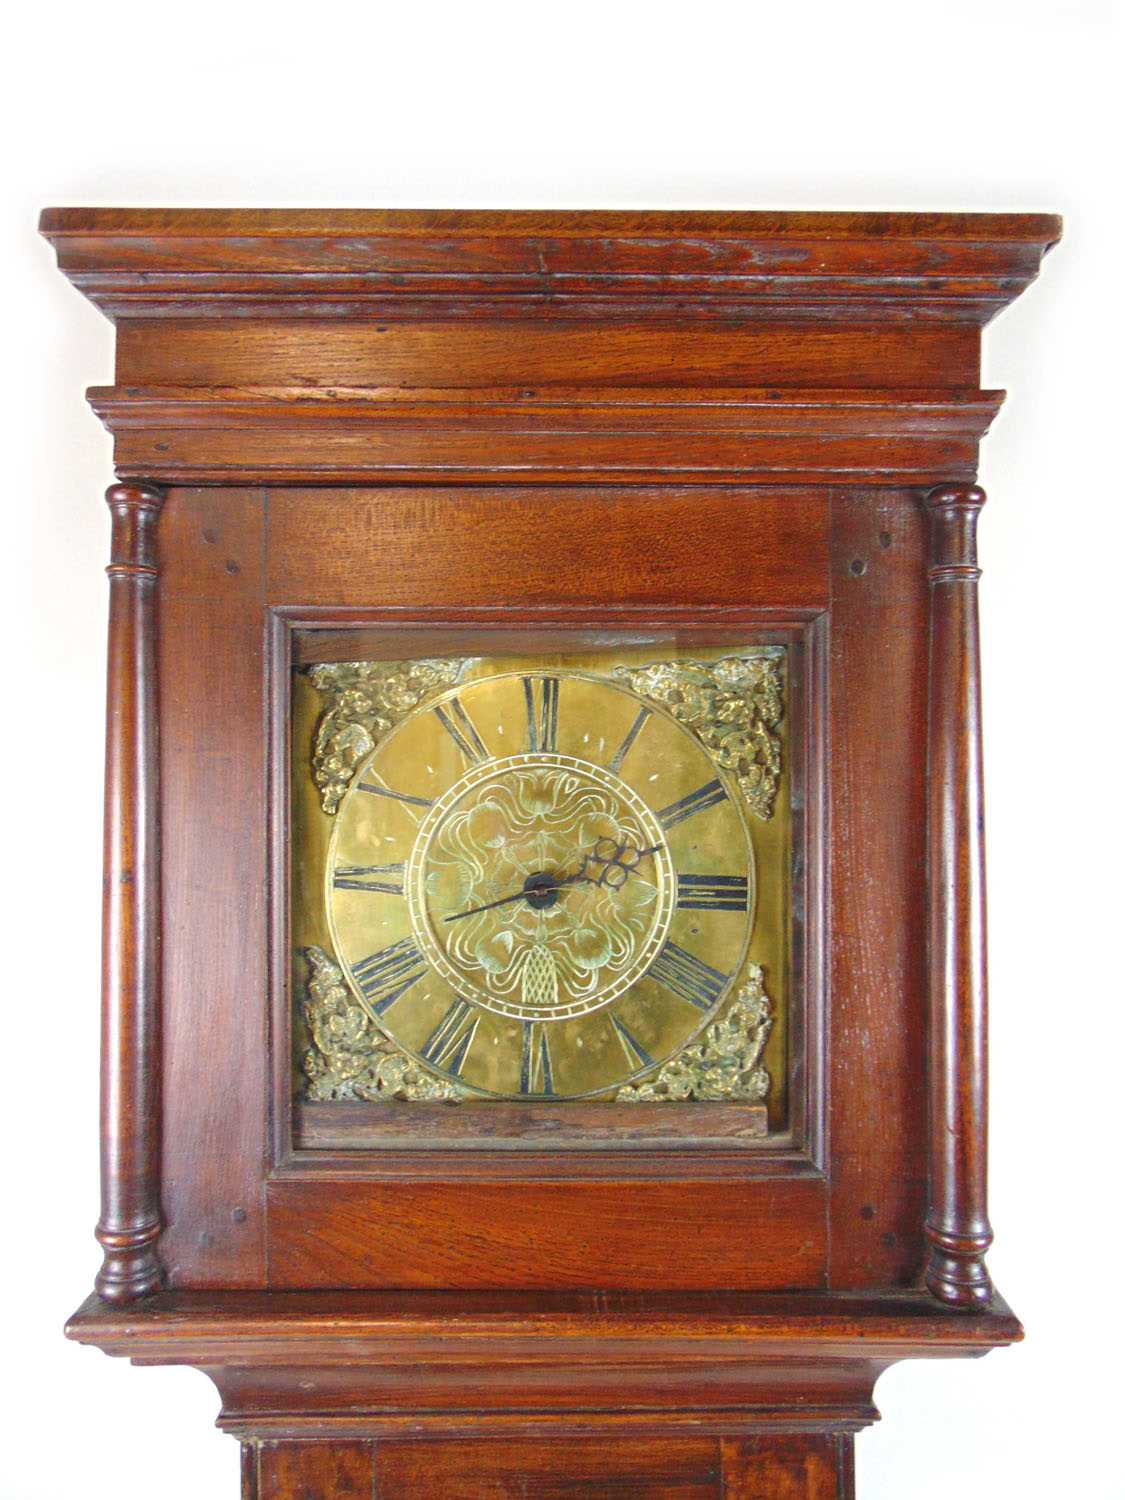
748, 267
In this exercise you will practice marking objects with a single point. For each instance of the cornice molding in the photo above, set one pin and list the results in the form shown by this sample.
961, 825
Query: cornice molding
257, 435
753, 267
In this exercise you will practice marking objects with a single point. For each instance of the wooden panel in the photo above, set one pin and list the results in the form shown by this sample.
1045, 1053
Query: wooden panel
753, 1235
528, 548
371, 353
877, 795
787, 1468
353, 1124
313, 1471
213, 779
662, 1469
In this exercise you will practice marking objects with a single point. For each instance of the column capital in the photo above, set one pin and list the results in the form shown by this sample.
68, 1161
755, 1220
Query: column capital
954, 509
138, 494
956, 497
135, 508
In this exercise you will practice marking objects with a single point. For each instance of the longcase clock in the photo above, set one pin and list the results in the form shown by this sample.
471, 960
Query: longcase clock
544, 987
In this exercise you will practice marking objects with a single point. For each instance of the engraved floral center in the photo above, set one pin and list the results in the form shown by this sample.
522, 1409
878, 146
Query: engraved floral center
526, 828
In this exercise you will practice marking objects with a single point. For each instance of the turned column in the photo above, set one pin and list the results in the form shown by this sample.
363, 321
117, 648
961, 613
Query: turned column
130, 1224
957, 1224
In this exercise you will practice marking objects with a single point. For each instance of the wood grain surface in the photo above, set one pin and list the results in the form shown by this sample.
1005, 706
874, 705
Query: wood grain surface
751, 1234
380, 428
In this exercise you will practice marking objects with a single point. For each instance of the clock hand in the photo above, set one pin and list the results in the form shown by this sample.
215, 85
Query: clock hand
611, 856
610, 865
533, 890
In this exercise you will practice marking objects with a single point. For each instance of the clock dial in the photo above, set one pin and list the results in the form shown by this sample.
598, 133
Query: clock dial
539, 886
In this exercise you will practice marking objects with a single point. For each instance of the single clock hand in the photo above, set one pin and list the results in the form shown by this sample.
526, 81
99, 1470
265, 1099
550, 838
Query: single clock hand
615, 872
534, 885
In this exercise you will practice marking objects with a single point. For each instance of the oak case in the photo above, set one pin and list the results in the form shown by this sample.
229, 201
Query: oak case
708, 429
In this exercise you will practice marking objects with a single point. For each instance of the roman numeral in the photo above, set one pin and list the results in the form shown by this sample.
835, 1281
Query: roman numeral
634, 1052
541, 695
712, 892
463, 732
535, 1073
687, 976
627, 743
364, 878
695, 802
385, 791
384, 976
448, 1044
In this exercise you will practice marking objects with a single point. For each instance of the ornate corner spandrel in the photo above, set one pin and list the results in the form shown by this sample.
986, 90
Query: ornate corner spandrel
725, 1063
734, 707
348, 1056
366, 699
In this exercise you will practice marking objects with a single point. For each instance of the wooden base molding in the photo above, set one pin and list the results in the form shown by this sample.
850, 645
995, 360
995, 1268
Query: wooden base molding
762, 1393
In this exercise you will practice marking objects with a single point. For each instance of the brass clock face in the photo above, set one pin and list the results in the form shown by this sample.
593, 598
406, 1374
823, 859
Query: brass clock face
540, 885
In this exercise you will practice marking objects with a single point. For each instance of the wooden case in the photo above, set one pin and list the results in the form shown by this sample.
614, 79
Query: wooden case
704, 426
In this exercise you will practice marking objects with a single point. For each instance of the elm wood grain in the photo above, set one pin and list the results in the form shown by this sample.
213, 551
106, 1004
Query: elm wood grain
809, 915
358, 1124
782, 1468
789, 1468
248, 1471
877, 791
130, 1220
957, 1224
885, 267
421, 457
396, 635
543, 1397
753, 409
751, 1234
530, 549
179, 1327
190, 435
262, 223
214, 888
401, 1365
542, 355
311, 1471
616, 1469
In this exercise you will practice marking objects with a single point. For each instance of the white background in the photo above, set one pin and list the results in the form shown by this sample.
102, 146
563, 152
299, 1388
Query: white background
947, 106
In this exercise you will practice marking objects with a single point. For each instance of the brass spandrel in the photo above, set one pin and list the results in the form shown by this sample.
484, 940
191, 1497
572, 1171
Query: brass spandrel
366, 700
735, 705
